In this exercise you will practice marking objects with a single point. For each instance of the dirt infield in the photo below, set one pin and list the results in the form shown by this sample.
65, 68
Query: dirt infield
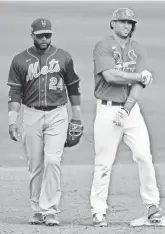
124, 201
78, 26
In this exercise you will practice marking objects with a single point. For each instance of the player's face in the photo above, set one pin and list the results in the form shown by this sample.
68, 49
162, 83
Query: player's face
122, 28
42, 41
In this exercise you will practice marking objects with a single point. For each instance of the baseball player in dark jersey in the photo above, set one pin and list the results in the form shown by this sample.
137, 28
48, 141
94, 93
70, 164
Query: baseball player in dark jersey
40, 78
121, 74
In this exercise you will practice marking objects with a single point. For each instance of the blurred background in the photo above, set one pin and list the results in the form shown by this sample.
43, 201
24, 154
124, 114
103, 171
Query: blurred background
78, 26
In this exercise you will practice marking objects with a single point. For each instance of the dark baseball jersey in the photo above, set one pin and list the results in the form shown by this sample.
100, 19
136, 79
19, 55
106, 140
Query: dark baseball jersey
42, 78
108, 54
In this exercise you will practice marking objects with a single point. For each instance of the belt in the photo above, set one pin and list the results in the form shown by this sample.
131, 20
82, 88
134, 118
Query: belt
112, 103
43, 108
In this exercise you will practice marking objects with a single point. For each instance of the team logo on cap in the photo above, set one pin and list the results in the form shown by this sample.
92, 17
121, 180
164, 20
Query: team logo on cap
129, 13
43, 22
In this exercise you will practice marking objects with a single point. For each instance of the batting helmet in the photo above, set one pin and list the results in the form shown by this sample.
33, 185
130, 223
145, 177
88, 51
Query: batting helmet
124, 14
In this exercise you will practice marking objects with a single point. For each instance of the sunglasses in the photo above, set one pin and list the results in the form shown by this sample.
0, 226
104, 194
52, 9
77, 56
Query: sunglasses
46, 35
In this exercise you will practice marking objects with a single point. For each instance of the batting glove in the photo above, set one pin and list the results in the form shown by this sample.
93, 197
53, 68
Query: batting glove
120, 117
146, 77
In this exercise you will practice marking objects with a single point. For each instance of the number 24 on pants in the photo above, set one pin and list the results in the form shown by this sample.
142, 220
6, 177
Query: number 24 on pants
56, 84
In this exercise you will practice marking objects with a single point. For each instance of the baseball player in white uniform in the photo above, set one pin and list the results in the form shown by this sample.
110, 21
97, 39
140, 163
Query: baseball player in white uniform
120, 75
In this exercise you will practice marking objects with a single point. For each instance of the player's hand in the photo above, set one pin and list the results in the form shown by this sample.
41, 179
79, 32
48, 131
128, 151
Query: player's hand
146, 77
14, 132
120, 117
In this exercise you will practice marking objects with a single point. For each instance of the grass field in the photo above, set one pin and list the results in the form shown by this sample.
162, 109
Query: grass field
78, 26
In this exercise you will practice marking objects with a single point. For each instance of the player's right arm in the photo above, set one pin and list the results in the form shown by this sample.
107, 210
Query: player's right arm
105, 64
121, 77
14, 98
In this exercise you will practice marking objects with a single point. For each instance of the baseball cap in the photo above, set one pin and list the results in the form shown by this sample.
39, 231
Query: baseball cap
124, 14
40, 26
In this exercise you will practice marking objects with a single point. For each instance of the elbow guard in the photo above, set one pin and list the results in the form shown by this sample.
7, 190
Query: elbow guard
73, 89
15, 94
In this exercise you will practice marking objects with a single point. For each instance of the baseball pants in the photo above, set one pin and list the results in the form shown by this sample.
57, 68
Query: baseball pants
107, 137
43, 137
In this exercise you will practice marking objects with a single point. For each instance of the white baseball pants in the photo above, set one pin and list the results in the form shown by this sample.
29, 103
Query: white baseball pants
107, 137
43, 137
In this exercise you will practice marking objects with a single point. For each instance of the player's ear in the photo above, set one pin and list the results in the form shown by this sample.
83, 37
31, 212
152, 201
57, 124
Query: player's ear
112, 24
32, 36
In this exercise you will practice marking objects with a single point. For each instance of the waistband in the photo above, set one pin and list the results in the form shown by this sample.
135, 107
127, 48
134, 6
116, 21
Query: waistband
111, 103
43, 108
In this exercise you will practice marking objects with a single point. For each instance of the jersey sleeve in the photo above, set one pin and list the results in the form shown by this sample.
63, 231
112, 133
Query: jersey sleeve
14, 78
71, 77
102, 57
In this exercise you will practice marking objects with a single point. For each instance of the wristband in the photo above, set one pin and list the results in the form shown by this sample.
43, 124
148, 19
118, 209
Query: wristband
76, 112
13, 117
141, 77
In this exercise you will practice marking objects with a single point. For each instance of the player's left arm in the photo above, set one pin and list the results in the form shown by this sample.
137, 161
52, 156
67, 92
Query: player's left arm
137, 88
72, 82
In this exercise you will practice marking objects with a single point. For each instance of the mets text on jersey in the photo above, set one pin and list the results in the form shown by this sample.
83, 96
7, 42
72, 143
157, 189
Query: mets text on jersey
34, 72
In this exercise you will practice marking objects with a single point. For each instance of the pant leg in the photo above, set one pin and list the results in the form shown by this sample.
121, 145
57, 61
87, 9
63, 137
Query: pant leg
137, 138
32, 139
56, 125
106, 139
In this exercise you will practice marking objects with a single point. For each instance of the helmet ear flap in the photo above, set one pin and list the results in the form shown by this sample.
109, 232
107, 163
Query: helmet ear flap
132, 30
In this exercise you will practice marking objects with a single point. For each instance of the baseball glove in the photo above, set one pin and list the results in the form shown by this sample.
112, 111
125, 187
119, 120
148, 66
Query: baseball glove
74, 134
